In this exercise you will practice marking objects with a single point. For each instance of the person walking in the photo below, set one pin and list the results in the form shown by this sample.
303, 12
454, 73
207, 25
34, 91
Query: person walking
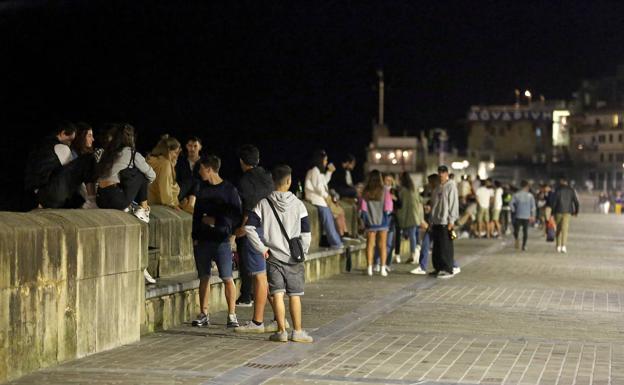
565, 204
523, 207
444, 213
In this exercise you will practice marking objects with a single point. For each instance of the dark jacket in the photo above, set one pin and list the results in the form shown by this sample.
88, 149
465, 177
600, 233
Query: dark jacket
42, 163
254, 185
187, 179
220, 202
565, 201
338, 182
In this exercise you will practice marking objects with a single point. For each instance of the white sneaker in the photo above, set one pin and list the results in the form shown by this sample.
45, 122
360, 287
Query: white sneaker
397, 258
377, 268
384, 271
418, 271
148, 277
456, 270
369, 270
445, 275
415, 256
558, 249
563, 249
142, 214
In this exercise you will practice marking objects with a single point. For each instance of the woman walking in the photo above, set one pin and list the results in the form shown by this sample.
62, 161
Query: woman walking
375, 208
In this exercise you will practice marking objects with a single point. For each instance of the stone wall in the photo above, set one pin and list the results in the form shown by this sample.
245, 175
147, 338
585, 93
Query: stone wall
71, 284
170, 242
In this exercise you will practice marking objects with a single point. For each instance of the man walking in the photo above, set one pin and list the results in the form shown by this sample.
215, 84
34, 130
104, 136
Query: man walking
523, 207
282, 219
565, 204
444, 213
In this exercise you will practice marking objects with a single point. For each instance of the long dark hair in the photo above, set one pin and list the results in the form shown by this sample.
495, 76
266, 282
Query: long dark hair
79, 143
317, 159
374, 187
407, 182
120, 136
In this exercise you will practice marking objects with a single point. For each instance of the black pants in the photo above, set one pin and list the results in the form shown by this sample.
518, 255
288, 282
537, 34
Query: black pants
397, 237
120, 196
246, 291
443, 251
525, 228
62, 189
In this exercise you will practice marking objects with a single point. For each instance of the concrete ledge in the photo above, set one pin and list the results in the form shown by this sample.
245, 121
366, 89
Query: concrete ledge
175, 300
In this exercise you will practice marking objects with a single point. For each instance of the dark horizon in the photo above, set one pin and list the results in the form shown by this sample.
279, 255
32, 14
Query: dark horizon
290, 78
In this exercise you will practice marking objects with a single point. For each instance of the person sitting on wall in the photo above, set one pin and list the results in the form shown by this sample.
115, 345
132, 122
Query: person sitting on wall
52, 176
342, 180
164, 190
187, 173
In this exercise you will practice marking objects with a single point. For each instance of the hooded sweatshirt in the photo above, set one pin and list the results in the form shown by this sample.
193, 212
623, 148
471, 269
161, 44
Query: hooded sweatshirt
254, 185
263, 230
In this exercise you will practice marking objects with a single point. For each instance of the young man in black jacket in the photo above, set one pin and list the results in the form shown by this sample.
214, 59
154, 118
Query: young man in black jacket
255, 185
217, 214
342, 179
565, 204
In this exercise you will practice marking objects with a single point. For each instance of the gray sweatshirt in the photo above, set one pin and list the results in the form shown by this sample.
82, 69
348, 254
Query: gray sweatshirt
263, 230
444, 204
122, 162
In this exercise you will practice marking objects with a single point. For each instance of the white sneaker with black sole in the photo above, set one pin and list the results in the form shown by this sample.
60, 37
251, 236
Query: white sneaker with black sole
201, 320
444, 275
142, 214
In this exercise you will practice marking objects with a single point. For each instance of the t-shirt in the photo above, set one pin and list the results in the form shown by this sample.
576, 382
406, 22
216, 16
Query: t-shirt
483, 197
498, 198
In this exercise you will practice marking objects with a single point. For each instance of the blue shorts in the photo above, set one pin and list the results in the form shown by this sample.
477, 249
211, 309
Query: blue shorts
254, 261
205, 252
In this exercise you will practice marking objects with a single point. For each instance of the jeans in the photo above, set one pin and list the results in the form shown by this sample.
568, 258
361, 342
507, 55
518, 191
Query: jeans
524, 223
424, 251
120, 196
412, 235
327, 224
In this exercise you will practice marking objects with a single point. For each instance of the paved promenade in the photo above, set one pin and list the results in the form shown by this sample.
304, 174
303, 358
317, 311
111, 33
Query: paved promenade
510, 317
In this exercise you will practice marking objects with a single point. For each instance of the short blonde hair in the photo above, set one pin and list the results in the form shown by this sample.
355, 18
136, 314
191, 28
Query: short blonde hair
164, 145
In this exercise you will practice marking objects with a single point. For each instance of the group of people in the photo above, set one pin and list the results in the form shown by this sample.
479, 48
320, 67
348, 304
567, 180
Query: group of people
491, 209
268, 225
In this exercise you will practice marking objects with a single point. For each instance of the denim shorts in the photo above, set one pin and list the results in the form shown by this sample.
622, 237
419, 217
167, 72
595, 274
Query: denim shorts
205, 252
254, 261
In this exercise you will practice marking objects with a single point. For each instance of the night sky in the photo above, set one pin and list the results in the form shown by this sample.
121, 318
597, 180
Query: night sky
289, 77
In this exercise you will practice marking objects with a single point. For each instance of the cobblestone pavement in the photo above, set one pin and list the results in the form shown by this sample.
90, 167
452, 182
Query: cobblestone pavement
510, 317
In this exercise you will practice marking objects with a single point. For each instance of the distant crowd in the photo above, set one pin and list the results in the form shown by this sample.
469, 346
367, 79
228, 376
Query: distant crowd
268, 225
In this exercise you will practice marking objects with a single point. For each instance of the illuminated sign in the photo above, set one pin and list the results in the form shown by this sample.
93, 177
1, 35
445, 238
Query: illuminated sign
487, 114
560, 131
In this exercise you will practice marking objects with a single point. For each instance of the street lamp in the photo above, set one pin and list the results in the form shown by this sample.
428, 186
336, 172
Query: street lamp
527, 94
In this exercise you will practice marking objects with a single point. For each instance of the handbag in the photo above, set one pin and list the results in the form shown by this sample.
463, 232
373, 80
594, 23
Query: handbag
294, 244
128, 175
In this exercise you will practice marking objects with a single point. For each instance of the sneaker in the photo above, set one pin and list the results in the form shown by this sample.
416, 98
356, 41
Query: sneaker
201, 320
445, 275
384, 271
232, 321
250, 327
558, 249
279, 336
272, 326
377, 268
418, 271
563, 249
148, 277
456, 270
243, 303
389, 268
301, 336
142, 214
397, 258
369, 270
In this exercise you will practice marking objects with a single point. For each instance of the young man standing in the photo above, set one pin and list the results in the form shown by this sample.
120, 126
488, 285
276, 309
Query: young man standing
280, 210
565, 204
255, 185
217, 213
187, 173
523, 207
444, 213
484, 196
